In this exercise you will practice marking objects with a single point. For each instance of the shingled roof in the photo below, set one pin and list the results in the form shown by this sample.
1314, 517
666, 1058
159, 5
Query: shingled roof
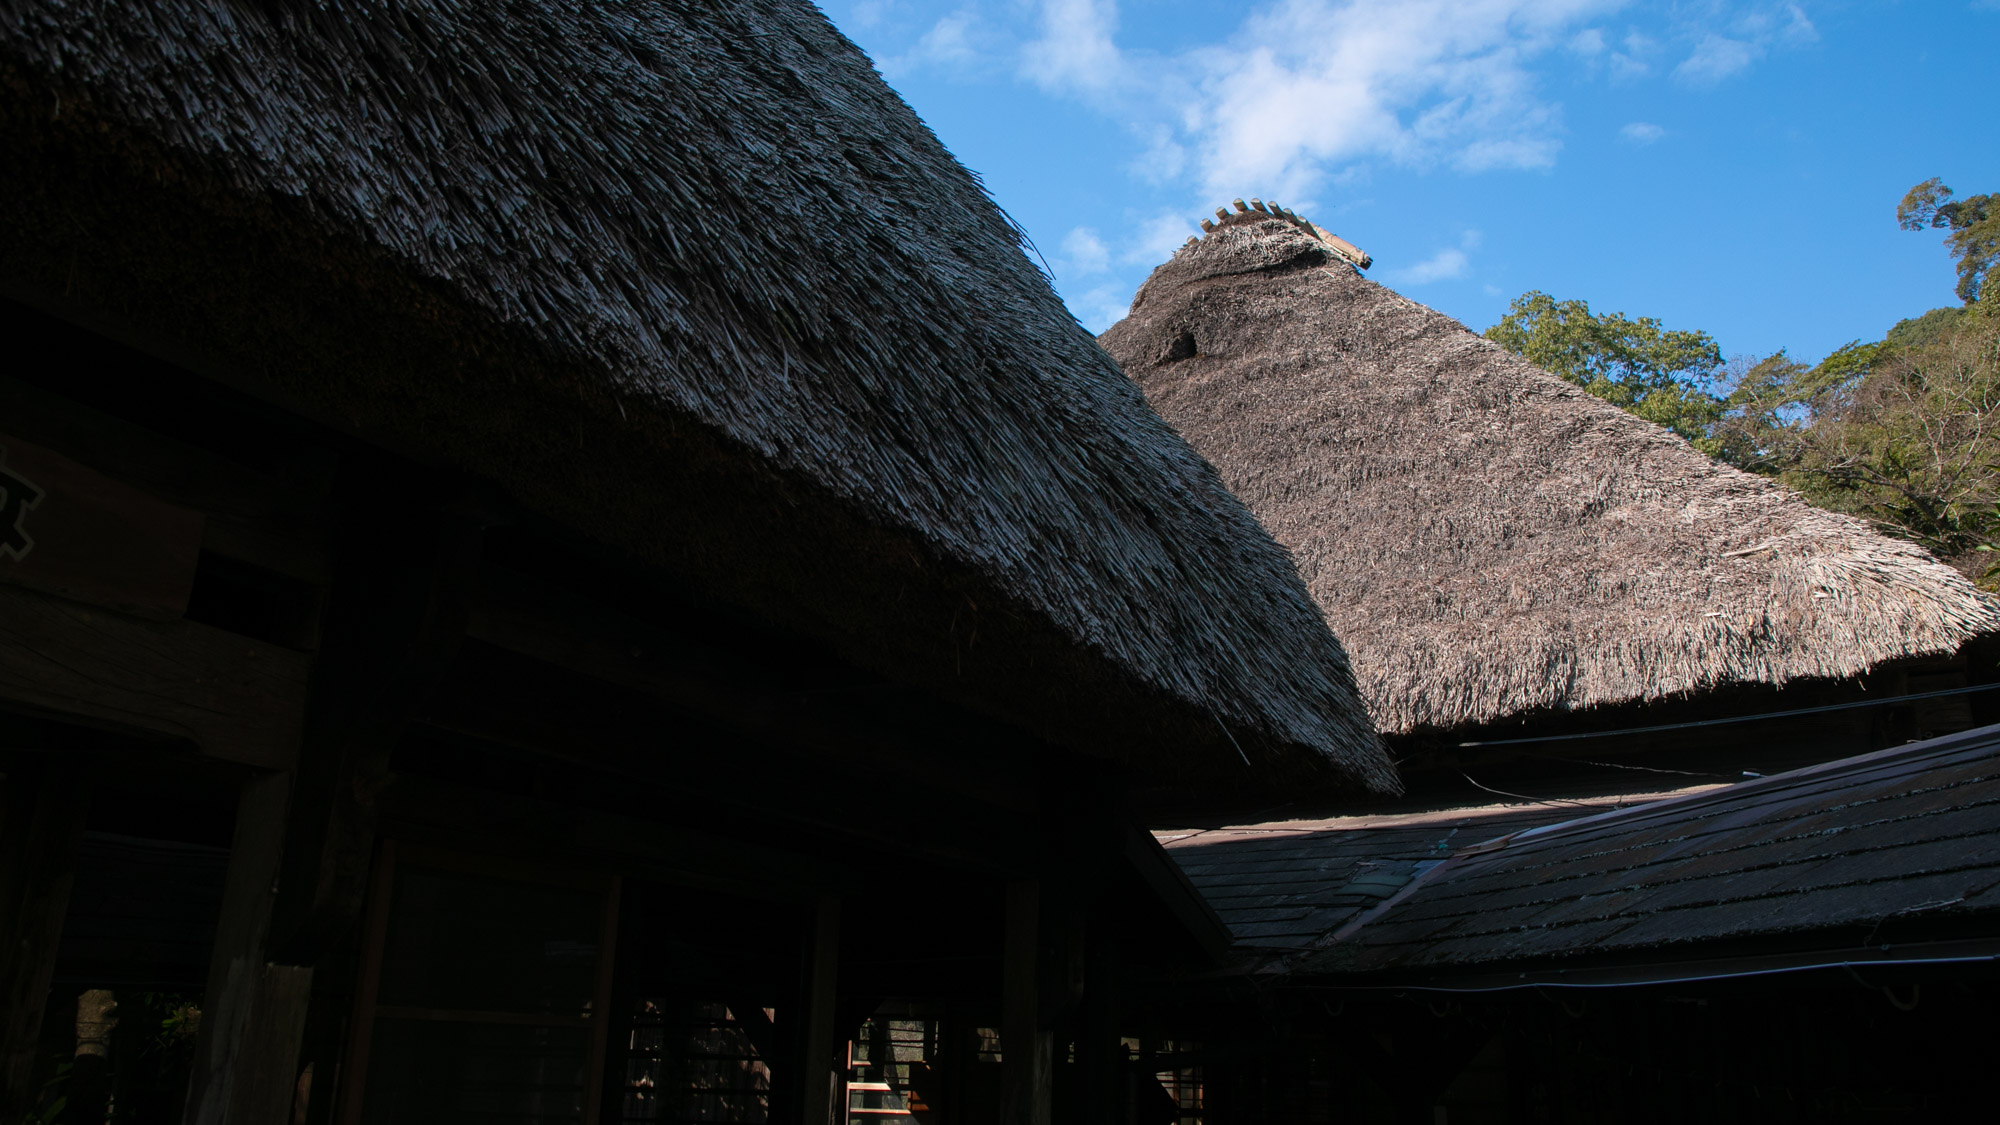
691, 280
1887, 857
1282, 886
1486, 538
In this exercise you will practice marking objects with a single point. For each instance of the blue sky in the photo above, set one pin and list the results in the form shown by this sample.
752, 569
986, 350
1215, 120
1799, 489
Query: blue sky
1732, 167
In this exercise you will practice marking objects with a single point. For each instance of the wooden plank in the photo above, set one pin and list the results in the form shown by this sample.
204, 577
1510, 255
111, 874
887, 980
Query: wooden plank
421, 810
361, 1028
42, 803
276, 520
233, 697
821, 1093
392, 629
1158, 871
1026, 1047
497, 696
70, 530
231, 1050
1100, 1053
875, 726
266, 1086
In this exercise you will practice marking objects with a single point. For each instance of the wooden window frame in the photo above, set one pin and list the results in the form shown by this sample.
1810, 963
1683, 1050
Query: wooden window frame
381, 892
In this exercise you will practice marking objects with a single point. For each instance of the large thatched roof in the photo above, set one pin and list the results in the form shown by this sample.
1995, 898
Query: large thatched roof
1486, 538
691, 279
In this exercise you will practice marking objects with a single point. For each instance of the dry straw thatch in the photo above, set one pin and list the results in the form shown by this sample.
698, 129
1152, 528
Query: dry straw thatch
1486, 538
747, 291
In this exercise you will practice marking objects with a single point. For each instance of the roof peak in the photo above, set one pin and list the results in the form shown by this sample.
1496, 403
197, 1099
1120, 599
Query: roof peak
1259, 211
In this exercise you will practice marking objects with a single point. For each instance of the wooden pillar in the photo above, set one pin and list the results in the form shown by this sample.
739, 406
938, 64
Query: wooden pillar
253, 1014
1100, 1053
1026, 1047
820, 1085
42, 802
393, 623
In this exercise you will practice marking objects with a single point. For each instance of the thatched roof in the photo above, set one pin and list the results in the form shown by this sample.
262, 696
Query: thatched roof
1486, 538
691, 279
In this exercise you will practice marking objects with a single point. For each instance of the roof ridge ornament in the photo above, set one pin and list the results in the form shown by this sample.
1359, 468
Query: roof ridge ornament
1259, 211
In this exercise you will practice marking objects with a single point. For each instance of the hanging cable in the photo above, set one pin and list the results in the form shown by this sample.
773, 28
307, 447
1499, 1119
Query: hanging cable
1888, 701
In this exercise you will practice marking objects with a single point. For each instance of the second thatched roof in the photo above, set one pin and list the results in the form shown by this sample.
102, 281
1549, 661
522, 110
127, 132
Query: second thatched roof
1486, 538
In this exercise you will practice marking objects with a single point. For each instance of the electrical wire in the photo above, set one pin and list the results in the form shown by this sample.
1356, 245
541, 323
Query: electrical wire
1889, 701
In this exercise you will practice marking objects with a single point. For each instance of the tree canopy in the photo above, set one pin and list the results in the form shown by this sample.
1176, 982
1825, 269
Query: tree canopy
1659, 374
1974, 223
1903, 432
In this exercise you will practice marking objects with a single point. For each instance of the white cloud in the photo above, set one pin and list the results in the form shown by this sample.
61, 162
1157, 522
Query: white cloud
1445, 265
948, 41
1156, 239
1103, 306
1308, 85
1717, 57
1085, 251
1164, 159
1625, 68
1642, 132
1301, 94
1798, 28
963, 41
1075, 51
868, 13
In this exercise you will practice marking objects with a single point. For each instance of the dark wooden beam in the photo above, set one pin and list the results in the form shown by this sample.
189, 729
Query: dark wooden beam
42, 803
253, 1013
1100, 1052
437, 813
820, 1075
394, 619
1026, 1047
867, 726
233, 697
277, 520
1158, 872
774, 790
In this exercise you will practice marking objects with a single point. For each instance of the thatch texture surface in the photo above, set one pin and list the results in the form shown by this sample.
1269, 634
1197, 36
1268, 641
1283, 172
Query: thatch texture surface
688, 230
1486, 538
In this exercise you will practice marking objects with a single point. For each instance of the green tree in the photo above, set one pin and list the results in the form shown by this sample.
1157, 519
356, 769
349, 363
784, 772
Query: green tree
1904, 433
1974, 223
1664, 376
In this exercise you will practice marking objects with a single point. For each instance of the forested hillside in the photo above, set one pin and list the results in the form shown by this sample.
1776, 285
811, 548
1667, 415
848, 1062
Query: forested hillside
1903, 431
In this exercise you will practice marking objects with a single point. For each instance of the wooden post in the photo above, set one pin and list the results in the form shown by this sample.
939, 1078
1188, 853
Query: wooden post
1026, 1048
394, 621
42, 802
253, 1014
1100, 1054
820, 1085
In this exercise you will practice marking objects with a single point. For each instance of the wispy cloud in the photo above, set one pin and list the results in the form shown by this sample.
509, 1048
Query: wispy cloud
1084, 252
1298, 99
1308, 85
1155, 238
1074, 50
1732, 42
1449, 264
1717, 57
1445, 265
1103, 306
